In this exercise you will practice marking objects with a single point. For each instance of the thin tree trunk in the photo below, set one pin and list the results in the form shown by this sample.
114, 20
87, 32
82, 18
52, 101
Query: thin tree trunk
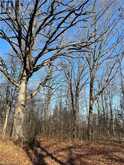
90, 111
77, 115
111, 121
73, 112
77, 107
89, 131
6, 121
19, 116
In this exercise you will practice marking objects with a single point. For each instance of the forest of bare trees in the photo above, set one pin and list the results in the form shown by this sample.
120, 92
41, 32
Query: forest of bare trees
62, 70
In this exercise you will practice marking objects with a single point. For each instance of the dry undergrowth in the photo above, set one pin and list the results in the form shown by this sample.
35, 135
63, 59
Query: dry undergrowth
55, 152
10, 154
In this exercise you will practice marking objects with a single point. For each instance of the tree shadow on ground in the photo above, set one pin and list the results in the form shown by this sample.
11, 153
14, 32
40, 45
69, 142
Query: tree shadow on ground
35, 155
75, 155
74, 159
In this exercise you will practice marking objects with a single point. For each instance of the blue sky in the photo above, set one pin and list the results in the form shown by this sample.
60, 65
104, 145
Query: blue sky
4, 47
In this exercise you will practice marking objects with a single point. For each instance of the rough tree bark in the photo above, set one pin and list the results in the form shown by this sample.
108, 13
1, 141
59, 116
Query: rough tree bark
19, 117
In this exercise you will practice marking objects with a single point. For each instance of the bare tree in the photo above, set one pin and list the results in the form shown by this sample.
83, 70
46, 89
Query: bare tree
98, 56
10, 94
33, 30
75, 75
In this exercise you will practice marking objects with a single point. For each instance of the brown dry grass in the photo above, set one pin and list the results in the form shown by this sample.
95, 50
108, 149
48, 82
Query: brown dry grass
56, 152
10, 154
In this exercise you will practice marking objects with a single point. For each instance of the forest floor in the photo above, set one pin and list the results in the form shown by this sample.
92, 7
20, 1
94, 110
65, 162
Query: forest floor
11, 154
55, 152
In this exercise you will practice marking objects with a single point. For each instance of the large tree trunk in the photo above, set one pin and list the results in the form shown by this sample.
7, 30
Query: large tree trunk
19, 116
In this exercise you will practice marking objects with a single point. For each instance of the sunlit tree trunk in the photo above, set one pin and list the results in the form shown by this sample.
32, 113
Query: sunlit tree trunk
111, 123
6, 120
19, 117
